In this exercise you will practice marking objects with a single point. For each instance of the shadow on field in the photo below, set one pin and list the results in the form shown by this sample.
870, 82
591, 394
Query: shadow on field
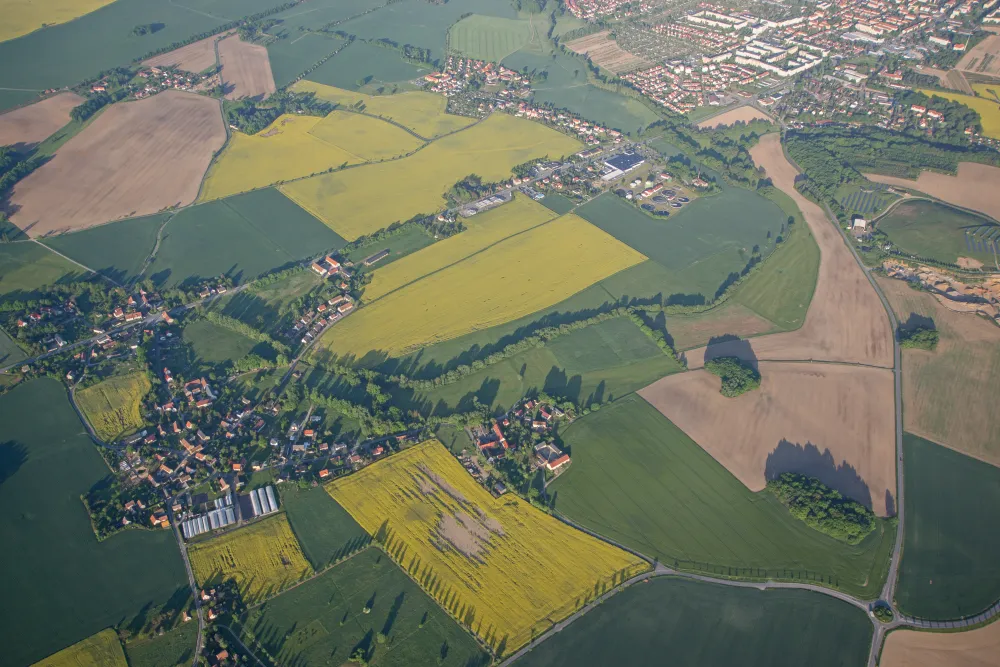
809, 460
731, 345
917, 321
12, 456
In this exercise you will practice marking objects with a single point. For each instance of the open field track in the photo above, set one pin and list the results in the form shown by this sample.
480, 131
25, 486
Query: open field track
246, 70
744, 113
101, 650
605, 52
845, 322
137, 158
972, 648
21, 17
36, 122
194, 57
974, 186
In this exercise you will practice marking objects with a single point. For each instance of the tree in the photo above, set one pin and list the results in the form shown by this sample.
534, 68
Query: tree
921, 337
823, 508
738, 377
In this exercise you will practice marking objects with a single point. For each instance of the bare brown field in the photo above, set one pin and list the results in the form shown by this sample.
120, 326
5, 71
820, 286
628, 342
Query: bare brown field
973, 648
195, 57
744, 113
606, 53
246, 69
983, 58
136, 158
36, 122
829, 421
846, 321
950, 394
695, 330
975, 186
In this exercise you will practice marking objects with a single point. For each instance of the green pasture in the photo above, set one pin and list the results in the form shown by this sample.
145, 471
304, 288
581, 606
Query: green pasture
293, 51
213, 345
321, 621
26, 267
399, 245
167, 650
268, 309
254, 385
566, 23
948, 569
117, 250
361, 64
657, 491
68, 585
492, 38
558, 203
454, 438
324, 529
679, 622
941, 232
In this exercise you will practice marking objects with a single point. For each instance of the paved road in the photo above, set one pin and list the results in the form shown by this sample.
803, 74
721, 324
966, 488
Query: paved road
192, 583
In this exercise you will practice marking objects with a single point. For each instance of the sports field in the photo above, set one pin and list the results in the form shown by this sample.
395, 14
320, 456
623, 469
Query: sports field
26, 267
324, 621
940, 232
262, 558
173, 648
112, 406
325, 530
505, 569
101, 650
492, 38
367, 67
693, 623
948, 569
22, 16
620, 486
514, 278
988, 109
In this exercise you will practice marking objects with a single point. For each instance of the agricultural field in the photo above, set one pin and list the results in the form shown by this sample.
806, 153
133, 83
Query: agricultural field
194, 57
422, 112
10, 352
940, 232
948, 569
353, 202
324, 529
399, 245
137, 158
21, 18
33, 124
745, 114
112, 406
43, 455
173, 648
492, 38
292, 51
266, 308
868, 201
558, 203
327, 619
368, 67
697, 623
101, 650
245, 69
212, 345
988, 109
911, 648
619, 486
971, 188
506, 570
730, 318
983, 58
27, 267
605, 52
526, 273
263, 558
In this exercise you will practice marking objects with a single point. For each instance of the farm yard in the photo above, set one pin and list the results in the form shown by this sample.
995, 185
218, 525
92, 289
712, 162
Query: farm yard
605, 52
112, 406
941, 233
21, 18
101, 650
506, 570
245, 69
137, 158
194, 57
911, 648
36, 122
492, 38
745, 114
970, 188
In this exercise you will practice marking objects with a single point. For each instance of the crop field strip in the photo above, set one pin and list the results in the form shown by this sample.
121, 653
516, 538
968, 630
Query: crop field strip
911, 648
112, 406
326, 532
969, 188
26, 267
101, 650
173, 648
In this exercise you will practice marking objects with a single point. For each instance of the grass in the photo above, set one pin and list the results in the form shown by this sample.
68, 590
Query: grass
697, 623
21, 18
212, 344
65, 573
365, 65
948, 569
117, 250
558, 203
112, 406
620, 486
399, 245
267, 308
323, 621
506, 570
263, 559
325, 530
454, 438
27, 267
292, 52
168, 650
424, 113
987, 108
491, 38
940, 232
10, 351
514, 278
100, 650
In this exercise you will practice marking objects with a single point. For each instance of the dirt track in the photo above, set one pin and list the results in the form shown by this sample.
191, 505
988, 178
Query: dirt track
195, 57
829, 421
137, 158
975, 187
846, 321
36, 122
246, 69
975, 648
745, 113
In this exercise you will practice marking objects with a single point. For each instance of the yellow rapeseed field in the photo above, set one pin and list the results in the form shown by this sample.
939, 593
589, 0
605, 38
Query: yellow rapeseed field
100, 650
112, 406
483, 231
424, 113
360, 201
512, 279
987, 107
263, 558
368, 138
506, 570
23, 16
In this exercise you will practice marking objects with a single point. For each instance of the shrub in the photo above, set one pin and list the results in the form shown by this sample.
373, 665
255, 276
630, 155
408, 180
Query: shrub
823, 508
924, 338
738, 377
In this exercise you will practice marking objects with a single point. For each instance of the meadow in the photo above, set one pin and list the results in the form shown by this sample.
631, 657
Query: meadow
948, 569
48, 463
506, 570
267, 308
366, 66
10, 351
213, 345
399, 245
173, 648
323, 621
940, 232
263, 558
492, 38
26, 267
619, 487
112, 406
117, 250
988, 109
100, 650
697, 623
324, 529
514, 278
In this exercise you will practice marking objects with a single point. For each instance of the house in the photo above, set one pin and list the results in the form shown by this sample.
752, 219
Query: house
557, 463
858, 223
237, 467
318, 269
324, 473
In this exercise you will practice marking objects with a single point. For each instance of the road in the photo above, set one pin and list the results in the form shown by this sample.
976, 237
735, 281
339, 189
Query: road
192, 583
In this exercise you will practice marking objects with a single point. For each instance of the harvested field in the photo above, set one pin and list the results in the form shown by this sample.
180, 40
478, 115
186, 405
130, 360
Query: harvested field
983, 58
828, 421
137, 158
101, 650
606, 53
972, 648
745, 113
112, 406
696, 330
195, 57
20, 17
846, 321
36, 122
246, 70
973, 187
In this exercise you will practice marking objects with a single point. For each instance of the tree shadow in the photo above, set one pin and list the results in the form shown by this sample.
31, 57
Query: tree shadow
13, 455
731, 345
917, 321
809, 460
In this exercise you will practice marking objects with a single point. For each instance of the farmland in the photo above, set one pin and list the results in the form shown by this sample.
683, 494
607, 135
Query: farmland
732, 318
194, 57
10, 352
492, 38
983, 58
214, 345
940, 232
988, 109
49, 463
604, 51
970, 188
33, 124
100, 650
112, 406
293, 51
744, 114
352, 202
527, 272
264, 308
370, 139
867, 200
245, 69
21, 18
399, 245
174, 648
26, 267
706, 624
324, 529
137, 158
366, 64
910, 648
948, 569
328, 618
618, 486
505, 569
262, 558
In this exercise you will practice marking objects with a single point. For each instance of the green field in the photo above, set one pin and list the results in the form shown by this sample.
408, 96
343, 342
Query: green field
660, 493
168, 650
362, 64
324, 529
492, 38
10, 352
101, 650
322, 622
948, 568
68, 585
558, 203
117, 250
677, 622
454, 438
292, 52
212, 344
399, 245
940, 232
268, 309
25, 267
